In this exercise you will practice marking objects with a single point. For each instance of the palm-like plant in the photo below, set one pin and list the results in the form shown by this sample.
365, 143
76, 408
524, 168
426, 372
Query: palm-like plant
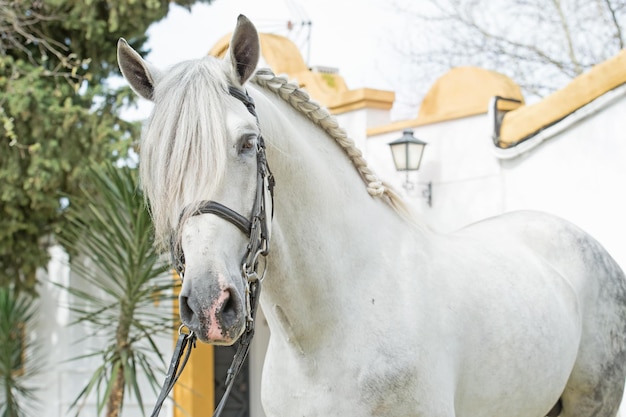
19, 360
110, 225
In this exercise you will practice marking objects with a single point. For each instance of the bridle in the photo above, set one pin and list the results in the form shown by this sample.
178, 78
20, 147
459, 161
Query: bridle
258, 230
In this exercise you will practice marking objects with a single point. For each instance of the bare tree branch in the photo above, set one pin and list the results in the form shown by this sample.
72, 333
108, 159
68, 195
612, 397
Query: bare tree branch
618, 30
568, 37
540, 45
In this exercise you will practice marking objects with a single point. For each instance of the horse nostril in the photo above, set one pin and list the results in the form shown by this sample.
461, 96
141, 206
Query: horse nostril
217, 318
228, 310
186, 313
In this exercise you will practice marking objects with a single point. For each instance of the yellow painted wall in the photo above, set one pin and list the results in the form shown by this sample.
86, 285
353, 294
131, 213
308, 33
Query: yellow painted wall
194, 391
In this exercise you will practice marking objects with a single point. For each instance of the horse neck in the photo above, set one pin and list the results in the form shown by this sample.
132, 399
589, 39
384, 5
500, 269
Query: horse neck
326, 229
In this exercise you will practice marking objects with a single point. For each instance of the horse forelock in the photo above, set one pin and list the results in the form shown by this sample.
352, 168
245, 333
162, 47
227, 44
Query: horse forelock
182, 150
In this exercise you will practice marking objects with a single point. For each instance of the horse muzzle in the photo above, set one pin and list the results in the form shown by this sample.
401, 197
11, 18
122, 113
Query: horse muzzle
215, 312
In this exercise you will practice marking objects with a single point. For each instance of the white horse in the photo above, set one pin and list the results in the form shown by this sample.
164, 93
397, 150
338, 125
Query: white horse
370, 313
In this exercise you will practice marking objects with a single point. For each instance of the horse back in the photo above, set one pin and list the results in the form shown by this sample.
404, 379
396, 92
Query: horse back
573, 253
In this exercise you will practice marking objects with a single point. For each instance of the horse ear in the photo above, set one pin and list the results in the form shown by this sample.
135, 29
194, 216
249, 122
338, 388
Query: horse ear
244, 49
135, 70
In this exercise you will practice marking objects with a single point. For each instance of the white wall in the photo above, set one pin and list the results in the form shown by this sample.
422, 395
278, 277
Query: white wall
61, 378
579, 174
466, 177
357, 122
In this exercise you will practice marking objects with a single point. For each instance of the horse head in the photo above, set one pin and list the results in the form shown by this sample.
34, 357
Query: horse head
203, 169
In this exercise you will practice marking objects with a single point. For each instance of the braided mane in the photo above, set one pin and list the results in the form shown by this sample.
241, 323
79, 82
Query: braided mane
168, 164
301, 101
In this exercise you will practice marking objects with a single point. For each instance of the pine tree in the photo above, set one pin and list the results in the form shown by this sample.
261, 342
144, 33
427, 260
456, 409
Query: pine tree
57, 112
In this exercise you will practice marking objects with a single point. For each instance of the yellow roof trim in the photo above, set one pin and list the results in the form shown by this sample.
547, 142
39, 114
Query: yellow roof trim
283, 57
410, 123
527, 121
362, 98
278, 51
461, 92
393, 127
221, 46
321, 86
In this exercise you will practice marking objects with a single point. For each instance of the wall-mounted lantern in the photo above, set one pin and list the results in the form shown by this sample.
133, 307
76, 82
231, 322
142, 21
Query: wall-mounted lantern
407, 153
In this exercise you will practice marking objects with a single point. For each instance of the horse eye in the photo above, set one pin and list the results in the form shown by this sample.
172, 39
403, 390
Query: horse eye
248, 143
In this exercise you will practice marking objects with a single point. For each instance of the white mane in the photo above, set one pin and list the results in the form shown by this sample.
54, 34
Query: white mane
183, 144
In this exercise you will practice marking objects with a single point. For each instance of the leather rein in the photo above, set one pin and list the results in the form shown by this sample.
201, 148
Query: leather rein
258, 230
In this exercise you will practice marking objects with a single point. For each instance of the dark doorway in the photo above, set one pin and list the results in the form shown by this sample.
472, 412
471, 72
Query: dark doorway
238, 404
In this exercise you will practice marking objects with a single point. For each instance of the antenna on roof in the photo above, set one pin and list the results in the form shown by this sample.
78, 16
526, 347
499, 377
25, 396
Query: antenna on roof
297, 28
301, 23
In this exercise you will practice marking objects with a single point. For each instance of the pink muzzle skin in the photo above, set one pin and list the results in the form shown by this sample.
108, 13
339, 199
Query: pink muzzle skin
222, 322
214, 331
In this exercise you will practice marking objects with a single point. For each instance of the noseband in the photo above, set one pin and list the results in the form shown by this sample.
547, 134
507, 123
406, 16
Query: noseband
258, 231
